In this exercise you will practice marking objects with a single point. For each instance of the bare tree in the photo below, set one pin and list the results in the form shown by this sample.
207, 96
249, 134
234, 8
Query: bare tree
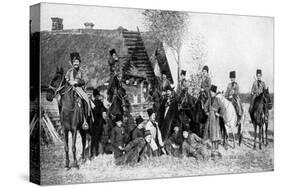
198, 51
168, 27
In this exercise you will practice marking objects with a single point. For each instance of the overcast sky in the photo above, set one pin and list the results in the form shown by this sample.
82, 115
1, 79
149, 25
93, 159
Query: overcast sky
240, 43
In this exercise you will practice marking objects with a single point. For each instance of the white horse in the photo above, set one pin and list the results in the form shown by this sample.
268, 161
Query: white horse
230, 118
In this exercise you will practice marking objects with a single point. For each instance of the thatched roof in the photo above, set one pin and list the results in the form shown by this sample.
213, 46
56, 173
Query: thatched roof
93, 46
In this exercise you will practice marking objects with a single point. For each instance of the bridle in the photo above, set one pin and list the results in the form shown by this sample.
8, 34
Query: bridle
57, 90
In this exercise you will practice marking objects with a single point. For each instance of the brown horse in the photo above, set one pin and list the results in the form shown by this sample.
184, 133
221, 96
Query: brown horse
72, 111
259, 116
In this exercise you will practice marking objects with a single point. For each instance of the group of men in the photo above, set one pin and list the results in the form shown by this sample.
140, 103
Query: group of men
147, 139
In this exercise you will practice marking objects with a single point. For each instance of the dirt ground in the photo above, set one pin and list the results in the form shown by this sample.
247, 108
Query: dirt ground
242, 159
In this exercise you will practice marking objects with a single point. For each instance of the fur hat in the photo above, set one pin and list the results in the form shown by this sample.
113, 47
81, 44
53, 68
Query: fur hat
206, 68
139, 120
232, 74
150, 111
259, 71
75, 56
214, 88
118, 118
146, 133
112, 51
164, 72
183, 72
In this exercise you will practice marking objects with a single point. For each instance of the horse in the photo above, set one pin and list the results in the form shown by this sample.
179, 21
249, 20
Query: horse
259, 115
71, 114
193, 109
229, 121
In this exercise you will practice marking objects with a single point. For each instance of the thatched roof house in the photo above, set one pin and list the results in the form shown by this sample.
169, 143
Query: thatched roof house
93, 45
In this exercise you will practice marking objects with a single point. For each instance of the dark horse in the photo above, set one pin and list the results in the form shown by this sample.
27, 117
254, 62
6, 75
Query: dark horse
71, 114
193, 109
259, 116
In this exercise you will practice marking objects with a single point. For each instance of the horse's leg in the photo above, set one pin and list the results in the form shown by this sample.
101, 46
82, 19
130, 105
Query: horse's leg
255, 136
83, 138
74, 136
260, 135
266, 129
233, 133
66, 149
240, 134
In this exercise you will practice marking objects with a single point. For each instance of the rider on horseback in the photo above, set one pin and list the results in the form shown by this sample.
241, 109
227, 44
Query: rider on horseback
77, 78
257, 88
206, 81
232, 94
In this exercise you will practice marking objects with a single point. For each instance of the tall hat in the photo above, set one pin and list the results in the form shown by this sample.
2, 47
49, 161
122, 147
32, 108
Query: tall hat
112, 51
139, 120
150, 111
74, 56
146, 133
183, 72
96, 92
206, 68
259, 71
118, 118
214, 88
232, 74
164, 72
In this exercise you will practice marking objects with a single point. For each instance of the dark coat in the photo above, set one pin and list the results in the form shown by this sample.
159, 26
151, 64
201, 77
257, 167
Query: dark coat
117, 139
136, 151
166, 119
137, 133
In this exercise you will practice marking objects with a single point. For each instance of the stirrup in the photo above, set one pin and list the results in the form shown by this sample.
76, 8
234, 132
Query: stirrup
85, 125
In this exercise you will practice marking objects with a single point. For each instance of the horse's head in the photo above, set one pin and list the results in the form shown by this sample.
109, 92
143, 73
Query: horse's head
266, 98
203, 96
55, 84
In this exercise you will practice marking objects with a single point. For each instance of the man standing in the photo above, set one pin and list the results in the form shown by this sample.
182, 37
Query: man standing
165, 83
112, 62
99, 113
206, 80
152, 126
76, 77
118, 137
257, 88
182, 82
232, 94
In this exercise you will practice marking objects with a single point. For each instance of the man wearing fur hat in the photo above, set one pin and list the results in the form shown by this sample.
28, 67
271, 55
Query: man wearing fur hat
113, 60
182, 83
139, 129
257, 88
77, 78
118, 137
206, 80
152, 126
99, 113
232, 94
212, 127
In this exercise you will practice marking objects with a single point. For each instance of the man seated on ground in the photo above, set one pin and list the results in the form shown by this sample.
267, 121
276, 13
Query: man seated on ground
139, 129
193, 146
137, 150
174, 142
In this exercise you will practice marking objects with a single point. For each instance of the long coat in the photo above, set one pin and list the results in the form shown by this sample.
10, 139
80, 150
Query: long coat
156, 141
212, 127
134, 152
168, 114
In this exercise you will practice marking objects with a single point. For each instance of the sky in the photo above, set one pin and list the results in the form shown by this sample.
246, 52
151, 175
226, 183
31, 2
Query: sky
240, 43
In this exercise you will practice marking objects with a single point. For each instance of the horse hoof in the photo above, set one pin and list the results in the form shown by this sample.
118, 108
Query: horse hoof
75, 165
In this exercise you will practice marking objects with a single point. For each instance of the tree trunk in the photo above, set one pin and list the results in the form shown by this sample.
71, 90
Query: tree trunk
179, 67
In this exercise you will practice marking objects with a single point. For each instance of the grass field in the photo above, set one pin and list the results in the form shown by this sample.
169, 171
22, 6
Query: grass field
239, 160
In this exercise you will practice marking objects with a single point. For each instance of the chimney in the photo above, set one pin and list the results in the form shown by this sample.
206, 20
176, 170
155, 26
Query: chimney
57, 24
89, 25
